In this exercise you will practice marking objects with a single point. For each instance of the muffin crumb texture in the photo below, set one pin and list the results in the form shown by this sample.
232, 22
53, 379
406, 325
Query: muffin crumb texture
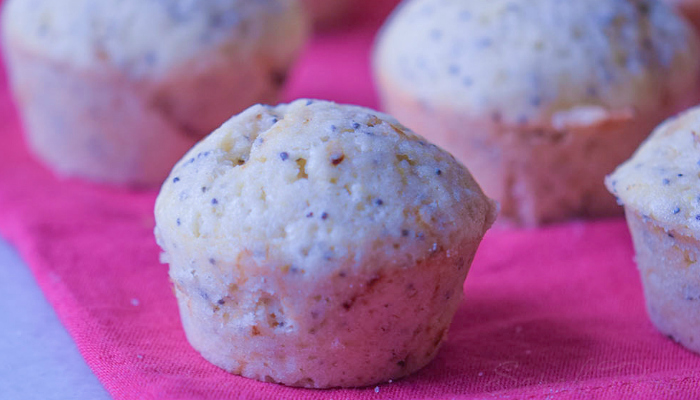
319, 245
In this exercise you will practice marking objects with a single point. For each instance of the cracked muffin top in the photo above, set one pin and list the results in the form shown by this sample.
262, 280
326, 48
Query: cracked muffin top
314, 183
145, 37
660, 180
524, 61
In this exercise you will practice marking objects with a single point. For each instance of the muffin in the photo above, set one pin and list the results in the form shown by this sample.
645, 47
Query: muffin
658, 189
539, 98
690, 9
319, 245
325, 13
117, 91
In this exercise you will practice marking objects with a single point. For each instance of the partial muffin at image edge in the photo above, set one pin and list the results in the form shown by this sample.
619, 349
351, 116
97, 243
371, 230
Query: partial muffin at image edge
117, 91
319, 245
659, 191
539, 99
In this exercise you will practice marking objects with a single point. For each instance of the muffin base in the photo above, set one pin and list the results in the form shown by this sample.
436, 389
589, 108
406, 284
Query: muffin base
327, 13
346, 329
669, 266
108, 127
539, 175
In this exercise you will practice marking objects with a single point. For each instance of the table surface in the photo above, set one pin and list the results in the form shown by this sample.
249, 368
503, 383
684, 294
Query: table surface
39, 359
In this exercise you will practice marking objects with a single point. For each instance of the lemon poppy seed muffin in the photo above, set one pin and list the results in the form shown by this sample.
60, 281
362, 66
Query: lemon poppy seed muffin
319, 245
539, 98
117, 91
659, 191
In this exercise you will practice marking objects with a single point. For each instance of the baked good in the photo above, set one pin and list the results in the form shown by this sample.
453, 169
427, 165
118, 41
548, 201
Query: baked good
326, 13
690, 9
118, 91
539, 98
659, 191
319, 245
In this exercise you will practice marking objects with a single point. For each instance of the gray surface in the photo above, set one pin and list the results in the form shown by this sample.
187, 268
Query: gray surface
38, 359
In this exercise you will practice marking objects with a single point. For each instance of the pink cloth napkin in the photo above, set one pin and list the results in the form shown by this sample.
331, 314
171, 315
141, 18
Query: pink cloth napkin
549, 313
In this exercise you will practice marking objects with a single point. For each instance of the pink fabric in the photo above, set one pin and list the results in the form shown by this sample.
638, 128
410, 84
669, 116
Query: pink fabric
548, 313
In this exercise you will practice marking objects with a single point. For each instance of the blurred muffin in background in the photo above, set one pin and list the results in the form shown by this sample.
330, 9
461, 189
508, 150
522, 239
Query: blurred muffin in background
326, 13
333, 14
117, 91
539, 98
690, 9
